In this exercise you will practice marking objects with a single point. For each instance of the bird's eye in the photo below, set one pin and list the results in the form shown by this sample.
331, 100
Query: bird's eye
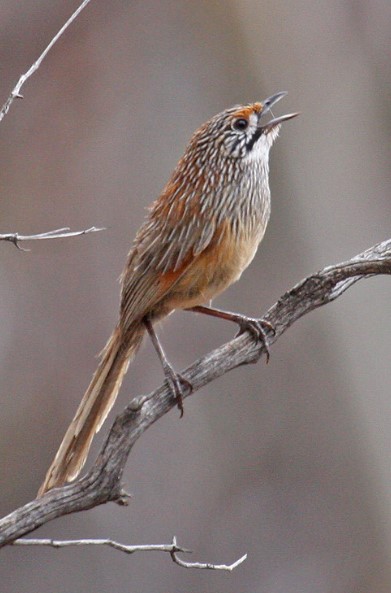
240, 124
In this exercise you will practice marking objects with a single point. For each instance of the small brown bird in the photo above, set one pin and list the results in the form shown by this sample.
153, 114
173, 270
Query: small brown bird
198, 237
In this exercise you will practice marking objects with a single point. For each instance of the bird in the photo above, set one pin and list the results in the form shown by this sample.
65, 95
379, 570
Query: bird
197, 238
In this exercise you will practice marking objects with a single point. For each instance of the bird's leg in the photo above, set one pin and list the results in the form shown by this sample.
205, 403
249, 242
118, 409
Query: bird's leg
256, 327
175, 381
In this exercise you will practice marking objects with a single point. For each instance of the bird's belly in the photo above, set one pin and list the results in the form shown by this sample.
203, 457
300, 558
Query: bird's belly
213, 271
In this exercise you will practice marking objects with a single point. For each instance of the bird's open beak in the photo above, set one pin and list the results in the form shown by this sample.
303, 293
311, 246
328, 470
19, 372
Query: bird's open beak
267, 105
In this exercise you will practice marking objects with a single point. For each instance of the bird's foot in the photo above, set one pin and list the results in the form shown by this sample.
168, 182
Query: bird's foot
258, 328
178, 385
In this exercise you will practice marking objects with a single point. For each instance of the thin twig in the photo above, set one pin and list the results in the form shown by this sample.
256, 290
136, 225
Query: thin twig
173, 549
65, 232
54, 543
15, 93
203, 565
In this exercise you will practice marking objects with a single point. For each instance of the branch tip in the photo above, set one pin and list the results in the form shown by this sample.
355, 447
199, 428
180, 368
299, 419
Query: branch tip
201, 565
123, 499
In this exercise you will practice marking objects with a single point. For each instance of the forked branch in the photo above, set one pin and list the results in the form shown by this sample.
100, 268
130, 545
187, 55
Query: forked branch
103, 482
172, 549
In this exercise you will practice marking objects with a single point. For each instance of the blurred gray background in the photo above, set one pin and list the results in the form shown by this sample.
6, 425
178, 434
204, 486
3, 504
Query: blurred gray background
289, 462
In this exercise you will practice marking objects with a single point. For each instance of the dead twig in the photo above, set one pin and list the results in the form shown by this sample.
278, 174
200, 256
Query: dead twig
15, 93
173, 549
63, 233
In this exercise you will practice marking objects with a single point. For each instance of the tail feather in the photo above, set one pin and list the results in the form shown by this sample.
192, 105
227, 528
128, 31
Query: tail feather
93, 409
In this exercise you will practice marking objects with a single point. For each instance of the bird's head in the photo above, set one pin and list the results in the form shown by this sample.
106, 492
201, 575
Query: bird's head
241, 132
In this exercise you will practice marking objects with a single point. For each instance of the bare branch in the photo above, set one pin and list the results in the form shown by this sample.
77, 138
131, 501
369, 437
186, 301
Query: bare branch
65, 232
15, 93
103, 482
204, 565
53, 543
173, 549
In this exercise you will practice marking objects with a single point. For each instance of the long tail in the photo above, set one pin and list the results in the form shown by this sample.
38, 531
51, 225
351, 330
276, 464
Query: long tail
94, 408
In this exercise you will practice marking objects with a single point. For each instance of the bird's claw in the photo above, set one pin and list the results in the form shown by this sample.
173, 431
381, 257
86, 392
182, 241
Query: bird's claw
179, 386
258, 328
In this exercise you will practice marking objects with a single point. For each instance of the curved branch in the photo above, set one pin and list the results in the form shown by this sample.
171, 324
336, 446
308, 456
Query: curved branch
103, 482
